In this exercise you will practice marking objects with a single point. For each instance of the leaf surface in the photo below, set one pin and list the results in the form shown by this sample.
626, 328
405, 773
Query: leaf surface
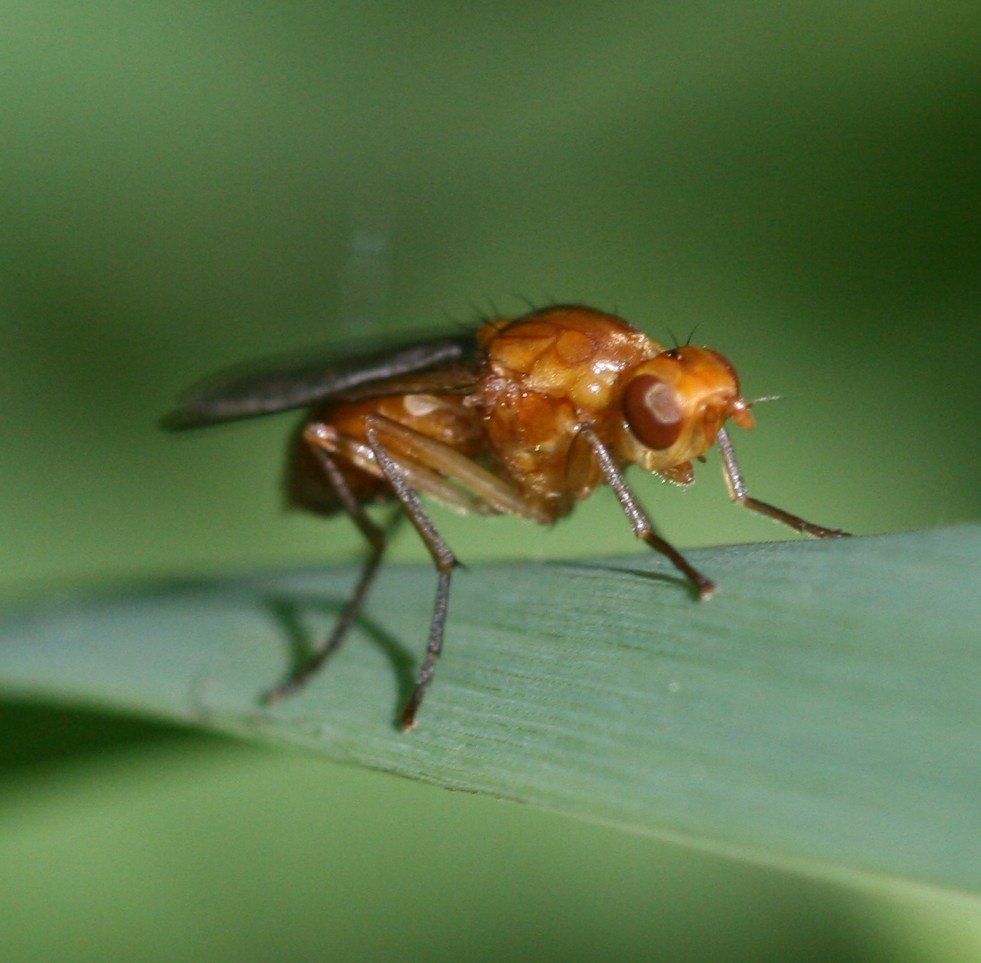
819, 713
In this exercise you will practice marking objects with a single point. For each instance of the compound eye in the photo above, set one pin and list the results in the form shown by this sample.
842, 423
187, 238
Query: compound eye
652, 412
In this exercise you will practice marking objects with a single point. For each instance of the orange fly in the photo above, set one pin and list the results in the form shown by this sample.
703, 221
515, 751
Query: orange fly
525, 417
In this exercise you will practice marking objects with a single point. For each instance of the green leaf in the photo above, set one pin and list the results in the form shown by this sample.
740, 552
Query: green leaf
819, 713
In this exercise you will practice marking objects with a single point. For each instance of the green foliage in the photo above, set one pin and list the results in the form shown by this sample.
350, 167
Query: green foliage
819, 713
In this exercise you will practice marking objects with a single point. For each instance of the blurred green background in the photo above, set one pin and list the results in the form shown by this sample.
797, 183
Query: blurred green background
188, 186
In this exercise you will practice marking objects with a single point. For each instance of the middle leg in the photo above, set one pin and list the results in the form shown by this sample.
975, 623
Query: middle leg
639, 519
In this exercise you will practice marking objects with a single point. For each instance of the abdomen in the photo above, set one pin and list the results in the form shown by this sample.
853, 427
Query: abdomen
444, 418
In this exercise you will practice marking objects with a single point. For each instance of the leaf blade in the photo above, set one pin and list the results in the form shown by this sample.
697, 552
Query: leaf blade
819, 713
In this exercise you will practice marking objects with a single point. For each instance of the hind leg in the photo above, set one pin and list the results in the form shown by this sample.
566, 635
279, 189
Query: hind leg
374, 535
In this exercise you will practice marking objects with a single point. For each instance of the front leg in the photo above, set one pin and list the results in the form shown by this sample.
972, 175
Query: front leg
739, 494
639, 519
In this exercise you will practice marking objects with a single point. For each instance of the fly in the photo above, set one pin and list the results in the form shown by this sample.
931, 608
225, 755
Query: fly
525, 417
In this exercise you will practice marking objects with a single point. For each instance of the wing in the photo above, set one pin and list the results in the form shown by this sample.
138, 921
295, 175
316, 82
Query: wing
279, 385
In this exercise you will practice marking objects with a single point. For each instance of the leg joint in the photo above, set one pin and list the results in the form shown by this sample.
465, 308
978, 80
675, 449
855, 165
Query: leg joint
445, 561
643, 528
317, 433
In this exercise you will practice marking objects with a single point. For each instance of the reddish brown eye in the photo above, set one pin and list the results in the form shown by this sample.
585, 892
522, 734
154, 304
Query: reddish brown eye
652, 412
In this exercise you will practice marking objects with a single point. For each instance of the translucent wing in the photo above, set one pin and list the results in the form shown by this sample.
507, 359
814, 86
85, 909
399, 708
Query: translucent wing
279, 385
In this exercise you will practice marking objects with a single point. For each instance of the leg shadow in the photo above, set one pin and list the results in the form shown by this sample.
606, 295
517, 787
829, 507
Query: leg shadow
288, 612
667, 578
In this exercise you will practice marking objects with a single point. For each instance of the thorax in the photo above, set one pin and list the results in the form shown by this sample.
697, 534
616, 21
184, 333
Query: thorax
544, 375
